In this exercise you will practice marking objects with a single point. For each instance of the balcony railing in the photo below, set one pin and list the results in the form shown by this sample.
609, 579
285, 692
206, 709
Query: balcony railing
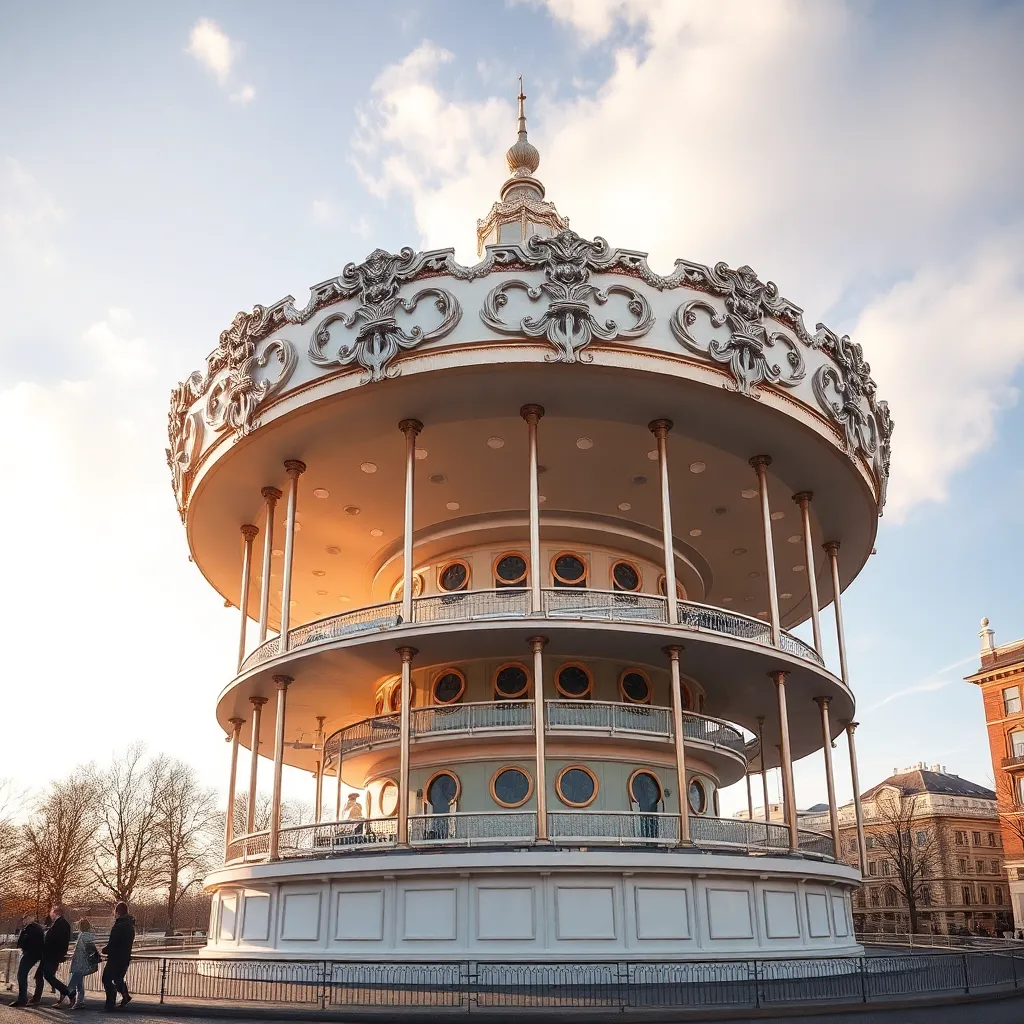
566, 828
562, 716
1016, 758
514, 603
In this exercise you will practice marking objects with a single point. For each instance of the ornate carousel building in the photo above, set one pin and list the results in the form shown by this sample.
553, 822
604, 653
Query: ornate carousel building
519, 548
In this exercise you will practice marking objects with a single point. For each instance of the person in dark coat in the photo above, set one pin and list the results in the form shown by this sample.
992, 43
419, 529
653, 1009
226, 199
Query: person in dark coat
55, 949
118, 952
30, 942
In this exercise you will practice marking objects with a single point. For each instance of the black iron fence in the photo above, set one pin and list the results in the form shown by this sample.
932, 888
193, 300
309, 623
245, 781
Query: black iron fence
613, 986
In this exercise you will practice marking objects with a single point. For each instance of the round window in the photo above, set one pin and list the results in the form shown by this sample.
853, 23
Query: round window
698, 797
625, 576
645, 790
454, 576
680, 593
449, 687
378, 704
511, 787
389, 798
572, 681
511, 681
442, 792
569, 570
576, 786
636, 687
510, 571
395, 699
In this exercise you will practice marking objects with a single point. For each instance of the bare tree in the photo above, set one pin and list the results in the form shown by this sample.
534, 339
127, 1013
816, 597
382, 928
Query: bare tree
900, 831
12, 803
1011, 808
126, 850
59, 837
187, 832
293, 812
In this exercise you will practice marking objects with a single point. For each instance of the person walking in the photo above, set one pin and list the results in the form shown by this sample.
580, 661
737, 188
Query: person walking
55, 949
30, 942
84, 961
118, 952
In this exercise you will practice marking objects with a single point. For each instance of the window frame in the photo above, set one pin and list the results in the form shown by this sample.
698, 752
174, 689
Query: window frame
626, 699
505, 585
380, 798
427, 784
574, 696
445, 566
1006, 700
699, 783
638, 589
557, 581
522, 694
509, 768
654, 775
450, 671
663, 586
582, 768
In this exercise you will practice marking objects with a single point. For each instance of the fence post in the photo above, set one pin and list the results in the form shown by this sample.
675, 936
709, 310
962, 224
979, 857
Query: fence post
757, 985
163, 978
622, 984
863, 979
967, 975
323, 984
1013, 966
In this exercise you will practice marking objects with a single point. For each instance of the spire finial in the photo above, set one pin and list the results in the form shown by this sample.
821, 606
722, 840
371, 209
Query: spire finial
523, 158
522, 110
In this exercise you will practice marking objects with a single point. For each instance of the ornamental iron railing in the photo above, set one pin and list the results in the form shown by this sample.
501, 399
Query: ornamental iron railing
467, 829
621, 828
482, 716
511, 603
609, 717
327, 839
738, 832
606, 988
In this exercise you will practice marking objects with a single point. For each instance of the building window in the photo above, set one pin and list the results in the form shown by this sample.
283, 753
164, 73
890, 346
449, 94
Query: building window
645, 791
885, 867
966, 893
979, 866
378, 704
697, 796
869, 842
441, 793
1011, 700
388, 800
453, 577
962, 865
976, 836
568, 570
449, 686
635, 687
890, 897
995, 867
573, 681
626, 577
1020, 790
509, 570
511, 681
984, 895
873, 867
576, 786
1017, 743
925, 895
680, 593
991, 838
997, 895
874, 896
922, 838
395, 697
399, 588
511, 786
960, 838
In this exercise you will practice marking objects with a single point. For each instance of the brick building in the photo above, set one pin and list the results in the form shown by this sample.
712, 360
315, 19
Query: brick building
955, 824
1001, 681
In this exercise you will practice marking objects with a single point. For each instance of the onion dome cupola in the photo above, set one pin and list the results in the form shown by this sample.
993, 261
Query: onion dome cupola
522, 210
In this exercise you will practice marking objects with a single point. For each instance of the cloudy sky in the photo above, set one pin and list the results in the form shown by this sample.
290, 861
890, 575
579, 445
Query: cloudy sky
162, 166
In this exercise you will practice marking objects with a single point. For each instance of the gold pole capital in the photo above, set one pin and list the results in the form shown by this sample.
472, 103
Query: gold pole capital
803, 498
851, 726
237, 723
823, 702
760, 462
532, 413
673, 651
283, 682
406, 654
660, 428
257, 702
537, 643
296, 466
272, 495
778, 676
249, 531
410, 427
831, 547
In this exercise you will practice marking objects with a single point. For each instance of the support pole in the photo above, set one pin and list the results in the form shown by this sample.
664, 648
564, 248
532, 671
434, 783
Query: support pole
295, 469
832, 550
532, 414
405, 719
680, 746
779, 679
750, 799
318, 816
282, 683
764, 770
803, 499
826, 739
539, 728
271, 496
760, 464
229, 826
660, 429
254, 742
411, 429
862, 851
249, 535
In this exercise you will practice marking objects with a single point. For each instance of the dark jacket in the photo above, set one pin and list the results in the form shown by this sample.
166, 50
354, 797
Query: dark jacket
31, 940
118, 949
58, 938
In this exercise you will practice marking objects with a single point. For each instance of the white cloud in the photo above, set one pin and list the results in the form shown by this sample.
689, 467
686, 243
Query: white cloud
29, 216
211, 46
325, 211
799, 138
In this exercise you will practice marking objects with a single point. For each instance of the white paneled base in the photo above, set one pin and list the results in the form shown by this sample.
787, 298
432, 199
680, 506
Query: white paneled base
528, 906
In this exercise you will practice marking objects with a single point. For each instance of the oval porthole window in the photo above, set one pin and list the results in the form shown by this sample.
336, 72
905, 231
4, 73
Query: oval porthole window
441, 793
511, 681
645, 790
453, 577
573, 681
389, 798
511, 786
510, 571
576, 786
378, 704
626, 577
449, 686
569, 570
395, 698
635, 687
698, 797
680, 593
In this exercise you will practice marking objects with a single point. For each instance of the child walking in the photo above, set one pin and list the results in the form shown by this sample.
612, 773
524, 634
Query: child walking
84, 961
